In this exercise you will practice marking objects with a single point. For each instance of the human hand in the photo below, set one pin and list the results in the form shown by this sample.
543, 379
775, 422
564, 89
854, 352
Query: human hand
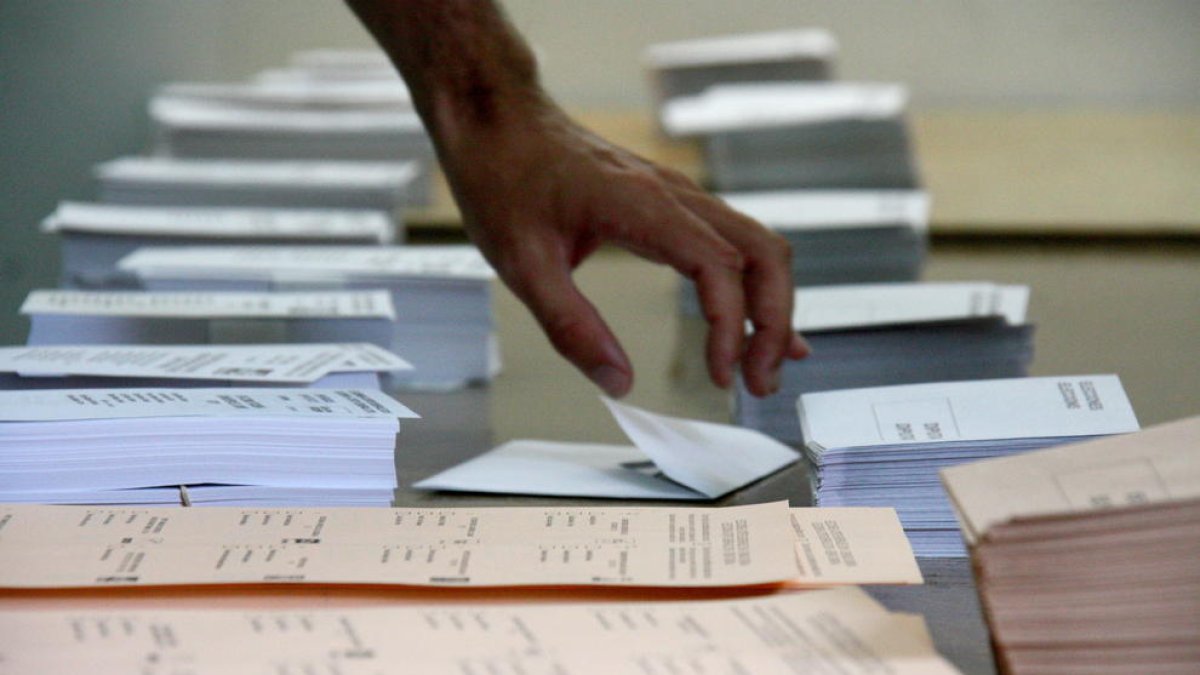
540, 194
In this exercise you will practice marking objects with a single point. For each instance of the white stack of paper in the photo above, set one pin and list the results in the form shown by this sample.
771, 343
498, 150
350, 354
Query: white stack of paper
442, 294
191, 128
874, 335
884, 446
671, 459
786, 136
92, 445
163, 181
340, 365
1086, 555
689, 67
95, 236
221, 317
839, 236
341, 65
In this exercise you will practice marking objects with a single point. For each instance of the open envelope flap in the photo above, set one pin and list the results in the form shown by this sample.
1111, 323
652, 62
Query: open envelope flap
713, 459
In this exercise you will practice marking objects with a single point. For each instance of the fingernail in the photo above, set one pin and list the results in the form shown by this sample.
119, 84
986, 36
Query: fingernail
773, 382
799, 346
612, 380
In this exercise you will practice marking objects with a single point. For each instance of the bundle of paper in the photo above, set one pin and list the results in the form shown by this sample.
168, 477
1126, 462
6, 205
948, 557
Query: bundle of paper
839, 236
320, 366
224, 317
189, 128
883, 334
91, 446
1086, 555
689, 67
786, 136
883, 446
164, 181
95, 236
837, 630
442, 294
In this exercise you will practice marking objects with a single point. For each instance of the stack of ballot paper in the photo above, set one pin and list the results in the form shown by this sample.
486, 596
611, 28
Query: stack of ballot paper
320, 366
223, 317
671, 459
882, 334
839, 630
1087, 555
839, 236
442, 294
786, 136
689, 67
95, 236
190, 128
164, 181
677, 547
884, 446
267, 446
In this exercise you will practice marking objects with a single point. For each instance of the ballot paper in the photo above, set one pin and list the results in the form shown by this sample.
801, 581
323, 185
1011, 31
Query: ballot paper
248, 364
672, 459
164, 181
148, 317
838, 630
883, 446
689, 67
781, 136
888, 334
442, 294
95, 236
51, 547
89, 445
839, 236
1085, 554
297, 94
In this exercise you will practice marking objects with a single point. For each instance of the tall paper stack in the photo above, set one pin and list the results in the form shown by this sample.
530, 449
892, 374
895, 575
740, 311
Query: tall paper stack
689, 67
786, 136
163, 181
95, 236
881, 334
839, 236
245, 446
1086, 555
190, 128
884, 446
442, 294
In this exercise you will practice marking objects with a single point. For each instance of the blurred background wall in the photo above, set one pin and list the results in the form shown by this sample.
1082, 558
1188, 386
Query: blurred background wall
74, 76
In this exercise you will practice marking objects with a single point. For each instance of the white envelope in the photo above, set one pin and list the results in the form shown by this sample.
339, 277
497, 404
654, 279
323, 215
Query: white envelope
673, 459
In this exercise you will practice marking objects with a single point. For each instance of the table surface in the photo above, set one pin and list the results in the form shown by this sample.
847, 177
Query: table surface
1062, 172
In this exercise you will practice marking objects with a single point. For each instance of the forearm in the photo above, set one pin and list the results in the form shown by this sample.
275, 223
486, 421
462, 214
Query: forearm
472, 76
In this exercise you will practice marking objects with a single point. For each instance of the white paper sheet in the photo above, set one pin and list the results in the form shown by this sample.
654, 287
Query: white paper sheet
750, 48
237, 223
697, 460
737, 107
187, 114
1034, 407
91, 404
271, 262
787, 210
200, 305
293, 175
864, 305
286, 363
